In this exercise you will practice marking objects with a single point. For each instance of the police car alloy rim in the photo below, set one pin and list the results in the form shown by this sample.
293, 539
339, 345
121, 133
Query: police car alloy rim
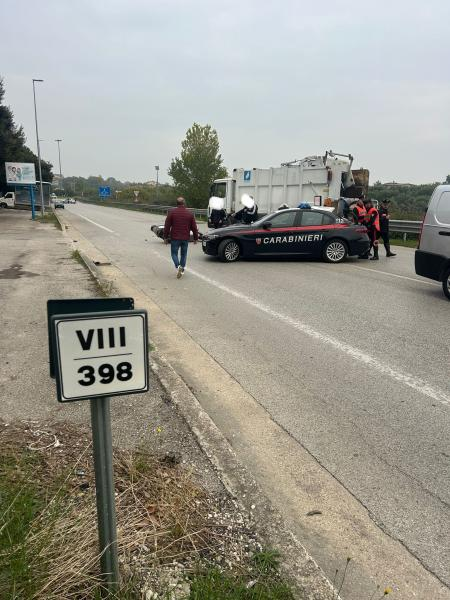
335, 251
231, 251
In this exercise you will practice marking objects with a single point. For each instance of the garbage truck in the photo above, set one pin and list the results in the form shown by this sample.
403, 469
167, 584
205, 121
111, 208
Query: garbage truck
317, 180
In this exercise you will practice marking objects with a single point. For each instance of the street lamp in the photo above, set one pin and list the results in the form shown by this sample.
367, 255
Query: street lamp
38, 147
157, 180
60, 172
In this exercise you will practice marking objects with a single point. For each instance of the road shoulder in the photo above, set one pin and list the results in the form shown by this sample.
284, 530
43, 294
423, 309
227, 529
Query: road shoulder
315, 507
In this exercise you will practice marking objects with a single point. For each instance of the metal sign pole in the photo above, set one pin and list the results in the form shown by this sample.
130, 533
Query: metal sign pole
32, 202
104, 487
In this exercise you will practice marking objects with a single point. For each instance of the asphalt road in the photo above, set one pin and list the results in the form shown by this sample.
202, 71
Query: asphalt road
352, 360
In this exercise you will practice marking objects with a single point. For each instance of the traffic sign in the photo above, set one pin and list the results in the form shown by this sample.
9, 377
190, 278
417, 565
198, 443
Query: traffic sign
76, 306
104, 191
247, 175
100, 354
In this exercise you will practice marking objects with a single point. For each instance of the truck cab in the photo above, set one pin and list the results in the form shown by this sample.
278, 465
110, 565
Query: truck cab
8, 200
225, 188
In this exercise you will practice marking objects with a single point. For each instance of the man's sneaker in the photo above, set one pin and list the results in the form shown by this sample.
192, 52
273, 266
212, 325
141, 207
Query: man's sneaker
179, 272
182, 271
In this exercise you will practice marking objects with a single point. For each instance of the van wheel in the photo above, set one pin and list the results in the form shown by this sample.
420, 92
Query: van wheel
229, 251
335, 251
446, 283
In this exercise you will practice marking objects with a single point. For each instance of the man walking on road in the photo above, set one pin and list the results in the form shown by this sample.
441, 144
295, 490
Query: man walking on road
178, 226
384, 226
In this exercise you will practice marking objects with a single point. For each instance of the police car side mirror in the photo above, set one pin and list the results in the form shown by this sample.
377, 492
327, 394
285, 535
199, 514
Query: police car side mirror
267, 225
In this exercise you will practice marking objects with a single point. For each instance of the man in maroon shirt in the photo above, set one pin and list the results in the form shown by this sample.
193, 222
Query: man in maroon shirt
178, 226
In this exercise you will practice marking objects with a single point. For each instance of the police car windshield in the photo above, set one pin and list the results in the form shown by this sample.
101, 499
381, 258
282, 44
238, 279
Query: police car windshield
265, 218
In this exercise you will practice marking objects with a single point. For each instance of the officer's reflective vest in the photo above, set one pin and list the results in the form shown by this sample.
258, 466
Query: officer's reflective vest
376, 221
361, 214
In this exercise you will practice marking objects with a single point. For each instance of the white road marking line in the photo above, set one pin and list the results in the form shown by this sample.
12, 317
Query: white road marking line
94, 223
395, 275
405, 378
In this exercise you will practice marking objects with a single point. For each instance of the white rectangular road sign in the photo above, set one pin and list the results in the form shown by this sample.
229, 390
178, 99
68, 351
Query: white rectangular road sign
100, 354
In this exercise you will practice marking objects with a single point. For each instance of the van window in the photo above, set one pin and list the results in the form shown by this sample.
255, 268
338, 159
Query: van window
443, 208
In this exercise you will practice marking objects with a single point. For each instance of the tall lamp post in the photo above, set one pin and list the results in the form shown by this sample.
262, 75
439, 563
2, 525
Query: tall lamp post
38, 147
157, 181
60, 171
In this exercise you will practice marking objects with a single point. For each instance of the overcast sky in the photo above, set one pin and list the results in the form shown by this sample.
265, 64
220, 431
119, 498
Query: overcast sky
279, 80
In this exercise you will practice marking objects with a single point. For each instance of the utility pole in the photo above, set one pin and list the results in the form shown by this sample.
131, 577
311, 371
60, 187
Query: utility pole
157, 183
60, 171
38, 147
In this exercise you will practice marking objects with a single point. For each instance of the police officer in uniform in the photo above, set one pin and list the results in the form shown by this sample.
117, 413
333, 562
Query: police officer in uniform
384, 226
247, 214
373, 227
359, 212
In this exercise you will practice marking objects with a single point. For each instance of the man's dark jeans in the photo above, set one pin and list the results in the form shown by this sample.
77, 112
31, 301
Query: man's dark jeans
175, 247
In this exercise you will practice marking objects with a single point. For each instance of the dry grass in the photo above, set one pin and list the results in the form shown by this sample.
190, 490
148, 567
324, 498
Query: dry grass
162, 515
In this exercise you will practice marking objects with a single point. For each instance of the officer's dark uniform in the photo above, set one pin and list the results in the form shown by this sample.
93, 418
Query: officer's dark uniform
247, 215
384, 228
217, 218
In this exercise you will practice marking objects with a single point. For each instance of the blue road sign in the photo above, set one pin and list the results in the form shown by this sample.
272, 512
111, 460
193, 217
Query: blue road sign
104, 191
247, 175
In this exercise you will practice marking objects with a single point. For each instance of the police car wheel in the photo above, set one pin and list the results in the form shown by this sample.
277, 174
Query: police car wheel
335, 251
229, 251
446, 283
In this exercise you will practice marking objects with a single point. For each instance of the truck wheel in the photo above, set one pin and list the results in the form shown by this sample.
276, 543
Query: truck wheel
335, 251
446, 283
229, 251
3, 205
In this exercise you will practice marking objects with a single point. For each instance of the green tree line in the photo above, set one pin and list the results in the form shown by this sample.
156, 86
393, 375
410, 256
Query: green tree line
408, 202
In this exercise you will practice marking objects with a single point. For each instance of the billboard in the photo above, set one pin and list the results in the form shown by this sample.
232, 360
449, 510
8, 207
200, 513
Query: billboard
20, 173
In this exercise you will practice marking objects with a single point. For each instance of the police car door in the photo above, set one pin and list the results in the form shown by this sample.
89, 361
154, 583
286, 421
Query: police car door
279, 237
311, 232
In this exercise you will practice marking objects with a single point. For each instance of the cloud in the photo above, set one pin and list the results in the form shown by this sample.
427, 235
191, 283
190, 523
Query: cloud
125, 79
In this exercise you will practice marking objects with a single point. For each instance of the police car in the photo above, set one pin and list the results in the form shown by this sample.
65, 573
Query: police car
314, 233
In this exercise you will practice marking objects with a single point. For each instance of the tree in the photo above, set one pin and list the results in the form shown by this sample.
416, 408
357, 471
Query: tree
12, 145
198, 165
447, 179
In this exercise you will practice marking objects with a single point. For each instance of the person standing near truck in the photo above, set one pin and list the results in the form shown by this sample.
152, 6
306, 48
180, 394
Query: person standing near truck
384, 226
372, 223
178, 226
359, 212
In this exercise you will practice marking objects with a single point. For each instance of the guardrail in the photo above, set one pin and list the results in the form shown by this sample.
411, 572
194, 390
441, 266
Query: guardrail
405, 226
395, 226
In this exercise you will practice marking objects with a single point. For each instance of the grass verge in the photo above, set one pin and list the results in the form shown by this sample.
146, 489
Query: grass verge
406, 243
49, 217
105, 288
175, 541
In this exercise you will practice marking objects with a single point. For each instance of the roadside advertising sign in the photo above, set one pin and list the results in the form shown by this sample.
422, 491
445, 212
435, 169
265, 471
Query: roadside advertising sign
20, 173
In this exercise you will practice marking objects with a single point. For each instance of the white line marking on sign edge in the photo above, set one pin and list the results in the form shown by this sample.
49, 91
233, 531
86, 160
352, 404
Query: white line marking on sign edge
94, 223
415, 383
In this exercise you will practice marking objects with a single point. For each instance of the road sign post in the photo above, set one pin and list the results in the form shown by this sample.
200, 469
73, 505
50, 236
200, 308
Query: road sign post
33, 212
97, 355
104, 490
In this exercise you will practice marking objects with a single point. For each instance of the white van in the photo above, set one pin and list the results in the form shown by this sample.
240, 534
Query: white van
433, 254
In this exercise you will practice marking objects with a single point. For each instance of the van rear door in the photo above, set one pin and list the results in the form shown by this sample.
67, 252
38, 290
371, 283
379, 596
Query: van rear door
433, 255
